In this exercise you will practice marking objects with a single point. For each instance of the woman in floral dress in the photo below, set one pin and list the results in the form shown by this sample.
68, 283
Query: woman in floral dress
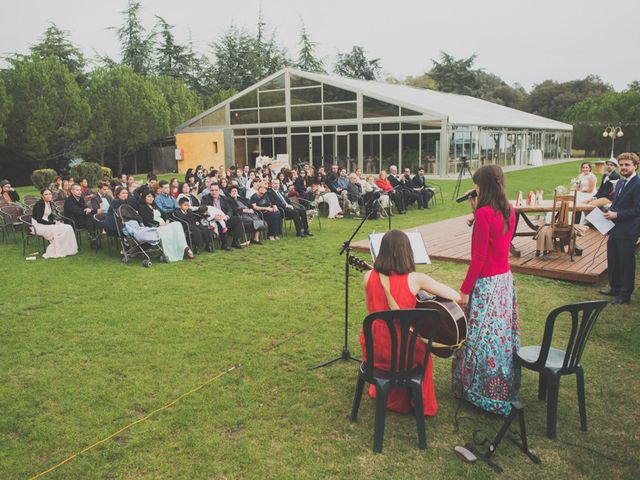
483, 371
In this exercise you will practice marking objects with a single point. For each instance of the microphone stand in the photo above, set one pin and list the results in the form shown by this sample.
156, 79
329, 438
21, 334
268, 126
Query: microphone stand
346, 248
463, 168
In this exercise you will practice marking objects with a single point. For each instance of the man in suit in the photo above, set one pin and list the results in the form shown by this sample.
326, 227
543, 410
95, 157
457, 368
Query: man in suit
621, 246
77, 211
420, 187
101, 200
605, 191
295, 212
233, 223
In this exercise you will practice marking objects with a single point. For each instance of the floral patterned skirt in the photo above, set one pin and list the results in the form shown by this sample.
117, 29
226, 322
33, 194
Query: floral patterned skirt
483, 371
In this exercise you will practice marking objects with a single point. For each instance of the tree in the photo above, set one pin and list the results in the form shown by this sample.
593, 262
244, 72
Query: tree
49, 114
307, 60
171, 58
55, 43
552, 99
493, 89
136, 45
456, 76
129, 111
634, 86
593, 114
421, 81
182, 102
242, 59
5, 107
355, 64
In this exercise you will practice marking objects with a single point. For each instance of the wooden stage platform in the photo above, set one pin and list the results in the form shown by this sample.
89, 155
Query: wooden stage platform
450, 241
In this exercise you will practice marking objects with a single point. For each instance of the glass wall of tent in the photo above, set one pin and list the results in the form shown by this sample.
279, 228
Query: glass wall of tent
322, 124
503, 146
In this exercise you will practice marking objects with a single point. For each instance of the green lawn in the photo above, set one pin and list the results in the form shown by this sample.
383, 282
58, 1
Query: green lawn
90, 345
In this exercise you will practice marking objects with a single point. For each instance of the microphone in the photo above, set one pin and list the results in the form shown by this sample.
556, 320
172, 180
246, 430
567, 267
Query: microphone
464, 198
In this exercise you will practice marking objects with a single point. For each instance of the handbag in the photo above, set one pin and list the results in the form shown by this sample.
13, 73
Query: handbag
258, 224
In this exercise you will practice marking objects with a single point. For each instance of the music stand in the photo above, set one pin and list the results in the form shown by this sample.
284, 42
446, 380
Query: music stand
463, 168
346, 248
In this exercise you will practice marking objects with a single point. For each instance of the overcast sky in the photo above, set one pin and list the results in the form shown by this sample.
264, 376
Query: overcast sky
525, 42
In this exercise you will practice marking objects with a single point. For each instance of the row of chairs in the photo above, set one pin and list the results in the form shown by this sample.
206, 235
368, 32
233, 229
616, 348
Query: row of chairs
548, 362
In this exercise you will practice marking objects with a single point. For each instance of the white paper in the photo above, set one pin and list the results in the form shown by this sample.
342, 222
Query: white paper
598, 220
420, 255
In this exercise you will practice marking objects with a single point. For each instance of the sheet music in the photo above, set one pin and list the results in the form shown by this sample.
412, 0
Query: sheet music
598, 220
420, 255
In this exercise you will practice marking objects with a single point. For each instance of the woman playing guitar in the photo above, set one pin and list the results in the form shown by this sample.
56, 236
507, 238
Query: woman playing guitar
394, 271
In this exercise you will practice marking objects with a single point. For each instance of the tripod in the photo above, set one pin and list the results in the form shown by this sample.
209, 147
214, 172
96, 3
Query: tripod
346, 248
464, 168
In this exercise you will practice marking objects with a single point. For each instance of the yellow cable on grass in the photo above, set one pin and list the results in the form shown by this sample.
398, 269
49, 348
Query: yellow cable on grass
164, 407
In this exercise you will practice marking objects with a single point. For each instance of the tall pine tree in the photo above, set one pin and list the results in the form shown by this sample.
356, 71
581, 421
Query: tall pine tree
307, 60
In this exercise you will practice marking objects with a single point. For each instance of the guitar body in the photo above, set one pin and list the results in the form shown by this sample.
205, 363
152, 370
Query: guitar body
453, 326
453, 322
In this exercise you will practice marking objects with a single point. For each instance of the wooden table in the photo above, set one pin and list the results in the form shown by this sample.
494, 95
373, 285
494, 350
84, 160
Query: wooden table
544, 207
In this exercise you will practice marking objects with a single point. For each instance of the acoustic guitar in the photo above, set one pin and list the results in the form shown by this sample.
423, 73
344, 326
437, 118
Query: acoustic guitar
453, 325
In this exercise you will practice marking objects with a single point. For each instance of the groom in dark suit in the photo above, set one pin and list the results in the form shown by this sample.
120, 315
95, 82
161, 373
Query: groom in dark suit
621, 246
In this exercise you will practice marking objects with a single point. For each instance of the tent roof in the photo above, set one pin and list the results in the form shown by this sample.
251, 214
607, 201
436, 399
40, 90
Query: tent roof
458, 109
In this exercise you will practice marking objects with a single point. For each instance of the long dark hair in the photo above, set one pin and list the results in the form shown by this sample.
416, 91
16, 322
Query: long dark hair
395, 254
490, 179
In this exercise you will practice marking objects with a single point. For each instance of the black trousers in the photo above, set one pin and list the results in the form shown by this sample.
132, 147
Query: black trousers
397, 198
621, 259
274, 223
234, 224
424, 195
409, 197
299, 216
199, 236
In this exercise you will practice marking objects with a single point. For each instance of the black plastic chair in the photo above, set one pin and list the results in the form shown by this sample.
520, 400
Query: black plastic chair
551, 363
410, 322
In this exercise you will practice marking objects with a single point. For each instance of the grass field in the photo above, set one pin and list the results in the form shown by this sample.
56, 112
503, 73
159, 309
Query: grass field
90, 345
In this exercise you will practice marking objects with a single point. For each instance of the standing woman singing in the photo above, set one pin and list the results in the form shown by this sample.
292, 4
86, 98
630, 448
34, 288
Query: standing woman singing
395, 263
483, 372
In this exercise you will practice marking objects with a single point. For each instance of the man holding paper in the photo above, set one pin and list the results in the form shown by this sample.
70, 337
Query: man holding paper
621, 246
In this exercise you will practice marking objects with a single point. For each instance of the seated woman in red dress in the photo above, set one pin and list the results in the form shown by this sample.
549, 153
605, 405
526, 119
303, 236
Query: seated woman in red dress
395, 261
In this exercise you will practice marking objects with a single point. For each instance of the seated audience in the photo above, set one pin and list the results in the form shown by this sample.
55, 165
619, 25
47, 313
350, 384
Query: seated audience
322, 193
420, 187
78, 213
61, 237
289, 209
64, 192
110, 223
303, 186
189, 192
235, 207
261, 203
384, 183
402, 186
194, 229
164, 201
587, 182
9, 195
172, 238
101, 200
604, 195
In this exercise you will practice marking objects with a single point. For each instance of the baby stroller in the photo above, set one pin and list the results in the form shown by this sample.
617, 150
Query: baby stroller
129, 246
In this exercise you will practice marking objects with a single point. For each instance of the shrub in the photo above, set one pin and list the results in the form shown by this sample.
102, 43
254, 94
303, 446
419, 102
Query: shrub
42, 178
106, 172
91, 171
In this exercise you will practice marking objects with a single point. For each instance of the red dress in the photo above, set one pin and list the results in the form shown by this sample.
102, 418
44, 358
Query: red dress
398, 399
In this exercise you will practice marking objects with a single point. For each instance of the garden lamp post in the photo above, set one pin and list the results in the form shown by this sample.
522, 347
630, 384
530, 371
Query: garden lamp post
612, 132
